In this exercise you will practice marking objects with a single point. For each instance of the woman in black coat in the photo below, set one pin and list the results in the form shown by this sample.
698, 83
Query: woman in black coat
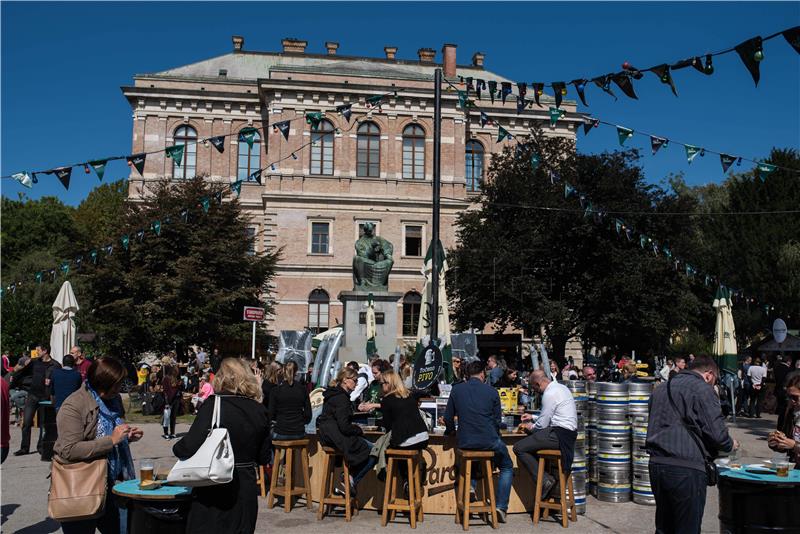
401, 414
233, 507
336, 429
289, 406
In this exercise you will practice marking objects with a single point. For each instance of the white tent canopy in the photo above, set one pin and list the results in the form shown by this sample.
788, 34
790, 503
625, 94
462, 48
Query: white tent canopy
62, 336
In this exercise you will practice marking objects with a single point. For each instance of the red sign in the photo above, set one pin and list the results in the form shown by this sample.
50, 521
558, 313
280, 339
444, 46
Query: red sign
252, 313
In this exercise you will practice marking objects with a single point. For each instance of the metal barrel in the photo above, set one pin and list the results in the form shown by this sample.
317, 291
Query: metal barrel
639, 397
612, 401
579, 486
614, 460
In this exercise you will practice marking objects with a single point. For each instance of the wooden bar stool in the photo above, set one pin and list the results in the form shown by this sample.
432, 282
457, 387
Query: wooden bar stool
464, 459
566, 499
287, 450
391, 503
263, 472
328, 497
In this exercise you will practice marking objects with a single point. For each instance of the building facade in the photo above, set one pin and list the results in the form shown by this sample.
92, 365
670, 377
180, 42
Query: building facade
320, 186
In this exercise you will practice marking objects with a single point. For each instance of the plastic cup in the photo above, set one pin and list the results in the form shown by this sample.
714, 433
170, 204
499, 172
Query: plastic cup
371, 421
782, 469
146, 468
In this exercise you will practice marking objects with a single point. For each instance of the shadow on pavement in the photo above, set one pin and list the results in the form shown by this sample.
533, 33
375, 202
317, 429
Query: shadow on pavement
6, 510
46, 526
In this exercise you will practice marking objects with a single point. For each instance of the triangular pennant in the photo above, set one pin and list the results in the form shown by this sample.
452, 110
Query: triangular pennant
580, 88
618, 225
662, 71
185, 215
256, 176
502, 133
629, 233
156, 227
314, 119
218, 197
556, 114
137, 161
624, 134
462, 100
140, 235
64, 267
374, 101
248, 136
125, 241
667, 252
589, 210
52, 273
484, 119
568, 190
555, 177
236, 187
24, 178
538, 90
284, 126
520, 104
522, 89
604, 83
589, 123
219, 143
479, 86
559, 90
505, 90
751, 53
39, 276
582, 200
64, 174
658, 142
93, 256
655, 248
642, 240
534, 161
492, 89
691, 152
792, 36
726, 161
205, 203
624, 82
176, 153
764, 170
109, 249
345, 109
99, 167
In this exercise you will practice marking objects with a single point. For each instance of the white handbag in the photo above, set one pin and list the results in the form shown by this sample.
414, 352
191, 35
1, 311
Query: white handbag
213, 463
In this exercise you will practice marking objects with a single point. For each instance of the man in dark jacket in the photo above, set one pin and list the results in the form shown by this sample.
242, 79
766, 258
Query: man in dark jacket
477, 406
39, 369
677, 459
65, 381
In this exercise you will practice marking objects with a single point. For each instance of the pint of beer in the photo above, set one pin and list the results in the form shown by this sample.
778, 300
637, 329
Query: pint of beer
146, 469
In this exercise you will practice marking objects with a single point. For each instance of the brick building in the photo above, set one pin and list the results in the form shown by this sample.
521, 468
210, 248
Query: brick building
376, 167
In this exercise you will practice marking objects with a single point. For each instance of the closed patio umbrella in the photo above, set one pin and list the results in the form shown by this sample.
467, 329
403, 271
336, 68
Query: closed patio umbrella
725, 348
62, 336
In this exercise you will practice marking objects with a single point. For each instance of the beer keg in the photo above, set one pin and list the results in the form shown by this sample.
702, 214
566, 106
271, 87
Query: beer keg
614, 459
579, 472
612, 401
639, 397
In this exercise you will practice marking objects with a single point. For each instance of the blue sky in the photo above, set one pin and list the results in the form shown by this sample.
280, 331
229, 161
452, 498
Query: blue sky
63, 65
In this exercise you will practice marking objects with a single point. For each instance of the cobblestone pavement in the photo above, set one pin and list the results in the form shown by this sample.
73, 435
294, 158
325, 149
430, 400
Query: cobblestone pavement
24, 496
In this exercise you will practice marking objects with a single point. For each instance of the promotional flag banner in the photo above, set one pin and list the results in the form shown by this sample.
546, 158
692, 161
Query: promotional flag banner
284, 126
24, 178
137, 161
99, 167
64, 174
176, 153
657, 142
219, 143
624, 134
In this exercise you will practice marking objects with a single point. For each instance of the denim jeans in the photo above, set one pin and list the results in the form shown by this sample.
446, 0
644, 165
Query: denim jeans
680, 494
287, 437
502, 460
364, 468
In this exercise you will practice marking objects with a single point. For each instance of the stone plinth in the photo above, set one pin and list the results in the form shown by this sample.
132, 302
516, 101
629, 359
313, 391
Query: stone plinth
355, 332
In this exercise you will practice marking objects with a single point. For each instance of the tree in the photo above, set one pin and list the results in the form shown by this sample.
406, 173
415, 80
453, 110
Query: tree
530, 258
186, 280
97, 217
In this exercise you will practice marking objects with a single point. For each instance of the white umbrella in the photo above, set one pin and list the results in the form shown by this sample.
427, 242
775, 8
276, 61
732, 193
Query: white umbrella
725, 332
62, 337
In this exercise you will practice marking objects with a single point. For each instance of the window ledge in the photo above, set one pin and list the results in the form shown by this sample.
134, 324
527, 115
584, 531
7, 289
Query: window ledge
404, 257
319, 254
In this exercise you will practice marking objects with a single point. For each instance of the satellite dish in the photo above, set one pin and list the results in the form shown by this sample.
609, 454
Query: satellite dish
779, 331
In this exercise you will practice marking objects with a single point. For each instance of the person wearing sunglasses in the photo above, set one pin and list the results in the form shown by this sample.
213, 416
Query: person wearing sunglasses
787, 439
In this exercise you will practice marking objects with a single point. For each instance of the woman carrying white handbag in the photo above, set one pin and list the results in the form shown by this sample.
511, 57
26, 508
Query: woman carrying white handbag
230, 507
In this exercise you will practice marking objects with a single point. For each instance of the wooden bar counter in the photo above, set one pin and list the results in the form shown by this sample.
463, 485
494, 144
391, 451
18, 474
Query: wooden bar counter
438, 477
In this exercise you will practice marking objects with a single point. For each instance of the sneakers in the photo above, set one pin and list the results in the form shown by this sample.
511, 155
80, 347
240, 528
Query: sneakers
339, 489
547, 485
172, 436
21, 452
165, 436
473, 497
501, 515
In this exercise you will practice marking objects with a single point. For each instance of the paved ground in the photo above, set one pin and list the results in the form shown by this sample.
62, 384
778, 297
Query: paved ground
25, 485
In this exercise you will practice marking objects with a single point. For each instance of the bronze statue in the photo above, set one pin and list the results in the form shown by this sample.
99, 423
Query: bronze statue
372, 262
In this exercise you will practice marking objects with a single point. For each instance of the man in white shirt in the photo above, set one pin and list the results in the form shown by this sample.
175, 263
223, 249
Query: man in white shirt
364, 379
756, 373
555, 428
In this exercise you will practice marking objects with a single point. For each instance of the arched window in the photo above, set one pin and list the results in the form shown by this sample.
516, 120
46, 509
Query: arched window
474, 165
318, 306
322, 149
368, 154
412, 302
249, 158
187, 136
414, 152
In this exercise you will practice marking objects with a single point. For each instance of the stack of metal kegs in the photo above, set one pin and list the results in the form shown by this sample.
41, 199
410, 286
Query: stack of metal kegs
639, 394
613, 443
579, 464
591, 435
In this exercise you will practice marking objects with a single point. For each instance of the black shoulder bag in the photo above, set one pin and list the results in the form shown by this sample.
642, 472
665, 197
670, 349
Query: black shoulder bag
712, 473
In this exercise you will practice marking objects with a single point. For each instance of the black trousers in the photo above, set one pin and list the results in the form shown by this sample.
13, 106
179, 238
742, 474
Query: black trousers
756, 400
680, 494
31, 407
526, 449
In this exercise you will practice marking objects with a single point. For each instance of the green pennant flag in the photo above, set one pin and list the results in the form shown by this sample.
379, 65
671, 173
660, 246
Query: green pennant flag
156, 227
374, 100
314, 119
205, 203
568, 190
642, 240
556, 114
463, 101
764, 170
502, 133
534, 161
65, 267
93, 256
624, 134
99, 167
691, 152
39, 275
176, 153
617, 225
125, 241
248, 135
236, 187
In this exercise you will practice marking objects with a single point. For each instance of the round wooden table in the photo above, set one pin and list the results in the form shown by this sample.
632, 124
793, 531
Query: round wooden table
438, 477
160, 511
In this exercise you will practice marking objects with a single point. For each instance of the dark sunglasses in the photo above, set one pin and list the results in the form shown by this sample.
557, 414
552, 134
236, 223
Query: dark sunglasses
795, 398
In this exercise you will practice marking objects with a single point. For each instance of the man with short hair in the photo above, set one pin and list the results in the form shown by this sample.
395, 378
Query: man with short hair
686, 429
680, 365
201, 357
477, 406
495, 370
757, 373
39, 369
81, 363
589, 374
64, 382
555, 428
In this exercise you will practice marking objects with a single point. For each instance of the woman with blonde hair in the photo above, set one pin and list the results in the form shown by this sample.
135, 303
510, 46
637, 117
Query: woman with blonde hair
336, 429
401, 414
233, 507
273, 375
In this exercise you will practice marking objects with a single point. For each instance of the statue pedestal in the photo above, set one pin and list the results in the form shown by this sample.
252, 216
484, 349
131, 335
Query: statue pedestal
355, 328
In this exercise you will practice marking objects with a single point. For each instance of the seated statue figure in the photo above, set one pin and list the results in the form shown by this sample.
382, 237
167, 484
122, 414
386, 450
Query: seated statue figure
372, 262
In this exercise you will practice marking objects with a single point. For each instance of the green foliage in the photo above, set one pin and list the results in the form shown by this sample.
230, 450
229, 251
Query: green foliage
97, 217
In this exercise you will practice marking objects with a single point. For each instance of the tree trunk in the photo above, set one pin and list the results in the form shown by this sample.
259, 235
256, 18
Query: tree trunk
559, 344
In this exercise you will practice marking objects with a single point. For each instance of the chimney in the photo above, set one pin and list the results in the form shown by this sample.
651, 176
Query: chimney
390, 51
477, 59
449, 60
238, 43
294, 46
332, 47
426, 55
